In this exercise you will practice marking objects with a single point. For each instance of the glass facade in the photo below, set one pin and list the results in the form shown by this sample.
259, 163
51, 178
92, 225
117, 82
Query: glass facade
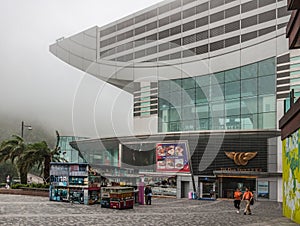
67, 152
238, 99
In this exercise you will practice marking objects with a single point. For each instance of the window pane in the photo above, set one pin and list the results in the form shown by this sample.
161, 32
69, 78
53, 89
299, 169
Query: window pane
266, 67
188, 113
175, 85
232, 75
233, 122
217, 92
174, 114
217, 78
203, 124
232, 90
202, 111
188, 97
188, 83
249, 87
175, 126
233, 107
249, 105
203, 80
267, 120
188, 125
164, 86
175, 99
202, 95
266, 85
249, 71
266, 104
249, 121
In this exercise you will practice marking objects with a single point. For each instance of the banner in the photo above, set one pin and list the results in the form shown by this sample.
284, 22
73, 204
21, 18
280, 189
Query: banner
172, 157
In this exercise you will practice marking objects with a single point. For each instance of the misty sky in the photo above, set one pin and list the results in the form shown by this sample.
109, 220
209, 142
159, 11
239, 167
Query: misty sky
38, 88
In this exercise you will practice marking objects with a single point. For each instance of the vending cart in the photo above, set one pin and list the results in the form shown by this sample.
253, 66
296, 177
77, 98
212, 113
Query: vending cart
121, 198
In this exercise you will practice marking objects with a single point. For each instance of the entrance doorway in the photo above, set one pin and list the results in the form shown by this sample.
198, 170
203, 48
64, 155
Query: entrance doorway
229, 184
185, 186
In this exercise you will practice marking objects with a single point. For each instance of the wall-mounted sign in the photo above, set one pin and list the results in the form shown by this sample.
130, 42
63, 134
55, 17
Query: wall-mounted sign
172, 157
241, 158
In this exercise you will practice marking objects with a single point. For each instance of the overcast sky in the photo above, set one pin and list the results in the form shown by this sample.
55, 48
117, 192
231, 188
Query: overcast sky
37, 87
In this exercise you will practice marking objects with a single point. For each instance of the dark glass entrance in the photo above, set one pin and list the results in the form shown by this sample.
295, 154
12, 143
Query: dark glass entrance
229, 184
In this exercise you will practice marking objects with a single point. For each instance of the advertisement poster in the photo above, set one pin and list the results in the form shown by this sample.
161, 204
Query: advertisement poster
263, 189
172, 157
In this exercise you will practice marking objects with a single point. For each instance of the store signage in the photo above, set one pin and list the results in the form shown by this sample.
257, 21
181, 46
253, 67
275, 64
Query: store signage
241, 170
241, 158
172, 157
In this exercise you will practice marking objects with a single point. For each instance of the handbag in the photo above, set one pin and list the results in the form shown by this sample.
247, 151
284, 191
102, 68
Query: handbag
251, 201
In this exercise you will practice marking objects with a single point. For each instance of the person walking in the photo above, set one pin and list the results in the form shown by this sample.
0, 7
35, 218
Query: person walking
237, 199
148, 195
248, 195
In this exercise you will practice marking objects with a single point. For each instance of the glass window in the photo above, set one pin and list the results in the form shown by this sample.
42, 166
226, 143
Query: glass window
217, 110
175, 99
249, 87
174, 126
266, 85
295, 73
266, 103
163, 100
267, 120
232, 75
164, 86
266, 67
202, 95
249, 71
249, 121
295, 65
295, 58
203, 80
233, 107
232, 90
188, 97
203, 124
233, 122
188, 125
217, 78
188, 113
174, 114
217, 92
249, 105
202, 111
188, 83
175, 85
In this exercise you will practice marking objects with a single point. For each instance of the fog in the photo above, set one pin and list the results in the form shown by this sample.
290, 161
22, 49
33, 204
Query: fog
38, 88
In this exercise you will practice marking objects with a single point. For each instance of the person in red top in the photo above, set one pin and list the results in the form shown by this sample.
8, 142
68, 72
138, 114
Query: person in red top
237, 199
248, 195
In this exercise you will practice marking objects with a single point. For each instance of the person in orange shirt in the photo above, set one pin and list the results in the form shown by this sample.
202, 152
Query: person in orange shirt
237, 199
248, 195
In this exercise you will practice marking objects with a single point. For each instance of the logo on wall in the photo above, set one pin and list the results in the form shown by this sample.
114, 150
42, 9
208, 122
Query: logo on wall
241, 158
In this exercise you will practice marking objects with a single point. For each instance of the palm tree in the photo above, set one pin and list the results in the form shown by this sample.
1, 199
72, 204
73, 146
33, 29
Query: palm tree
39, 154
13, 149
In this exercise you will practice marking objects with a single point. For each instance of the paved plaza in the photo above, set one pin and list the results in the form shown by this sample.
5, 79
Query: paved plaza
29, 210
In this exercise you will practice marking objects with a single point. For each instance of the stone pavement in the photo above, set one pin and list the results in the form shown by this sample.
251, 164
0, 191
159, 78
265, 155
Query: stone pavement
29, 210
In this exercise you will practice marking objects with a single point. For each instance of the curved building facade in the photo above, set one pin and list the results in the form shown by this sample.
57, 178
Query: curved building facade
199, 68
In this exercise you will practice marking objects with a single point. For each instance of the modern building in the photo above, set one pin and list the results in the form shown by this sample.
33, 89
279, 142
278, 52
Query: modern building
209, 76
67, 152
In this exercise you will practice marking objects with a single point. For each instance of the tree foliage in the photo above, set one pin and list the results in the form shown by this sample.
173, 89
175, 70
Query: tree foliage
27, 156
